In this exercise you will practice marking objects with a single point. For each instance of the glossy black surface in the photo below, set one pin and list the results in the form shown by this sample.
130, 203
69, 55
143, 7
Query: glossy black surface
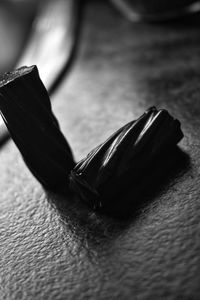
26, 109
126, 161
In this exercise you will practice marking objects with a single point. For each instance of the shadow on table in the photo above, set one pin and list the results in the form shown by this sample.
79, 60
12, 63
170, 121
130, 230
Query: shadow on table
157, 180
101, 227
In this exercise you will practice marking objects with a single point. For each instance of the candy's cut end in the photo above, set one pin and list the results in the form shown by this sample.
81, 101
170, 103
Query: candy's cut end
13, 75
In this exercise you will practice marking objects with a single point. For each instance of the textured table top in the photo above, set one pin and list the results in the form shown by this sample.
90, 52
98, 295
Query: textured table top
56, 248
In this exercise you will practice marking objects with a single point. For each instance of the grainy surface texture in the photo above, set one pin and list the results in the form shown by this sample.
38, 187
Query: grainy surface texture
56, 248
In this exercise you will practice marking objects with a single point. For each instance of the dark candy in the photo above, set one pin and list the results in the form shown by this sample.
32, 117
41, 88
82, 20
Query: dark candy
124, 158
26, 110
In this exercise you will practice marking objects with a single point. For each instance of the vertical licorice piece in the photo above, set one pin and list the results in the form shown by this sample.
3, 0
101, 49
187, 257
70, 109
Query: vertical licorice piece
26, 109
124, 159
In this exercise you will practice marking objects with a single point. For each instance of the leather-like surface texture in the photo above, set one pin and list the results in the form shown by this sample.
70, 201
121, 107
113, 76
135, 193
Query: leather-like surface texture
54, 247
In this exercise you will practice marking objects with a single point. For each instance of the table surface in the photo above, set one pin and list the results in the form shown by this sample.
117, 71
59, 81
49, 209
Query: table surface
56, 248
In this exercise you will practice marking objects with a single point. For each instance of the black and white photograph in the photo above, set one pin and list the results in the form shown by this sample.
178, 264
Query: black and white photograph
99, 149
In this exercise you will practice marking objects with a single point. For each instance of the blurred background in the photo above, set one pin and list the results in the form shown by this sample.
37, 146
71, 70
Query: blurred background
19, 18
16, 18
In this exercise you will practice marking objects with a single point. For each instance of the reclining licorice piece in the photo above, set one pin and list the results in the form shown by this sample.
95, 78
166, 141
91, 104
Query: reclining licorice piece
26, 110
122, 160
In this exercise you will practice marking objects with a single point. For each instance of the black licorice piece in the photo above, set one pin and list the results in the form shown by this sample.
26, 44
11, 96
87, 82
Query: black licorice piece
124, 159
26, 110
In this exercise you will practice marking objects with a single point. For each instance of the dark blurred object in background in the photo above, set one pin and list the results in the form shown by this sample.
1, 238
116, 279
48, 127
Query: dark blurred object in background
156, 10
